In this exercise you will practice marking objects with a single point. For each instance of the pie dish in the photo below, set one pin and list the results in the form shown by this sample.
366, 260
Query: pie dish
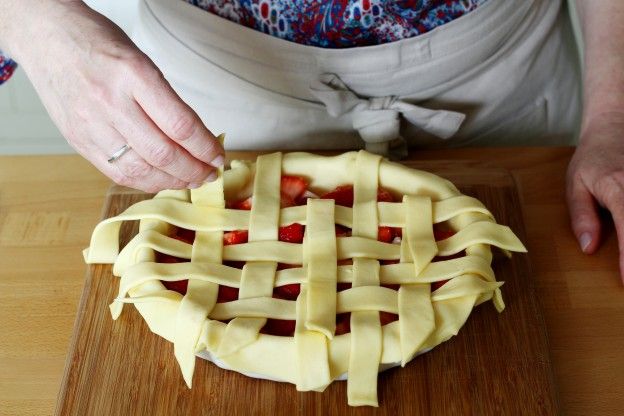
361, 268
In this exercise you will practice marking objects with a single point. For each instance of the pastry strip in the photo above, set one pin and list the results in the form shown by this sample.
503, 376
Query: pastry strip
312, 356
104, 241
257, 277
201, 296
228, 276
365, 350
256, 281
320, 259
265, 208
418, 232
416, 319
366, 340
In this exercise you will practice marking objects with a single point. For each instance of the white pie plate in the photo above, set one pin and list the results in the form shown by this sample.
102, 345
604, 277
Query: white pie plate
207, 355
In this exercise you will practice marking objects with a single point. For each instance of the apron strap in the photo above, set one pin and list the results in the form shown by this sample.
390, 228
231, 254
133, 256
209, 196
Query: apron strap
377, 119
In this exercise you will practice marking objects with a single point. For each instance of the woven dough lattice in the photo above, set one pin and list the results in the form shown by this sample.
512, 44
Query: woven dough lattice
229, 333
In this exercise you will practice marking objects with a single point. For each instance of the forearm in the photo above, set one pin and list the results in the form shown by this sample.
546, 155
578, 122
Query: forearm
22, 22
602, 23
13, 23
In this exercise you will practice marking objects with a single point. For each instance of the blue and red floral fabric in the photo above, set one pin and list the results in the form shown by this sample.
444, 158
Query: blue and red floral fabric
328, 23
340, 23
7, 67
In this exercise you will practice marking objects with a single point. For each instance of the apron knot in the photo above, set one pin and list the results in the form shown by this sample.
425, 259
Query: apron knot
377, 119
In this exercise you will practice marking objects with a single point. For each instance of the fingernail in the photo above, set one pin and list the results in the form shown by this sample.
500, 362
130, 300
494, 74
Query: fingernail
217, 162
211, 177
585, 240
194, 185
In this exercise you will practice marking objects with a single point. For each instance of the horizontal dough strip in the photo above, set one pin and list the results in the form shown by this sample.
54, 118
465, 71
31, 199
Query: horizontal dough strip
290, 253
392, 214
401, 273
144, 272
348, 247
465, 285
482, 232
154, 240
105, 239
362, 298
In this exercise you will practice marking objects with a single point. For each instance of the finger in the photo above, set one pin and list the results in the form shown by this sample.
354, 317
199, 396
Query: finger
130, 169
178, 121
158, 150
614, 202
133, 171
583, 216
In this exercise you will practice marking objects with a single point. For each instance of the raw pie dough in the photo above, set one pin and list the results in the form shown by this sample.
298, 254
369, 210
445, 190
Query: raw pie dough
314, 356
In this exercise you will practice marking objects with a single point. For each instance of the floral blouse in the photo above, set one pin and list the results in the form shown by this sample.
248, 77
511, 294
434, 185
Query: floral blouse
340, 23
328, 23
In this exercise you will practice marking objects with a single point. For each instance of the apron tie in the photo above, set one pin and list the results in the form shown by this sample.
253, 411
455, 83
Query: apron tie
377, 119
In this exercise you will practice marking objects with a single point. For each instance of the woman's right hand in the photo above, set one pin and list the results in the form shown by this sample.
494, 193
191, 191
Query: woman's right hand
103, 92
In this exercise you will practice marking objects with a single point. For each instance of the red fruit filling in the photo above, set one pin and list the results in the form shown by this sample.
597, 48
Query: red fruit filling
343, 195
279, 327
292, 189
227, 294
235, 237
182, 234
436, 285
177, 286
287, 292
385, 234
342, 231
244, 204
439, 234
292, 233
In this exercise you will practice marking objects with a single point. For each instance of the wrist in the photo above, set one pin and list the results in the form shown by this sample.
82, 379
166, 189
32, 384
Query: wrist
605, 126
603, 102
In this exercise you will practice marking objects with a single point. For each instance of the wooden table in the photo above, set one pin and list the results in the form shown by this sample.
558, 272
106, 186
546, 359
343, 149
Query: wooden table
50, 204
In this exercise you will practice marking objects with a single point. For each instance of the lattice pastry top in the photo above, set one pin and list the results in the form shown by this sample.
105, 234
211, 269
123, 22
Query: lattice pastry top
355, 292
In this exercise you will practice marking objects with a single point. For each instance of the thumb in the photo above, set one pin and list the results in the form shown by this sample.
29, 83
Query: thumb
583, 216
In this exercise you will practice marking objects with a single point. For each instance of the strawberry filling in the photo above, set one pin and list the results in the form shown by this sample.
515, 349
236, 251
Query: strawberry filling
294, 192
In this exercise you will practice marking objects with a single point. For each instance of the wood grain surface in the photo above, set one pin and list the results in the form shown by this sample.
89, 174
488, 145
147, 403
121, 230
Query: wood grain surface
50, 204
498, 364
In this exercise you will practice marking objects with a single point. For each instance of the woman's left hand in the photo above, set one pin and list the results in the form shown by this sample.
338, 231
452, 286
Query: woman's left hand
596, 179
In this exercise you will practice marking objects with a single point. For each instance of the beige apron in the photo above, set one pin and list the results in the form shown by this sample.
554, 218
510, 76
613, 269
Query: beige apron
504, 74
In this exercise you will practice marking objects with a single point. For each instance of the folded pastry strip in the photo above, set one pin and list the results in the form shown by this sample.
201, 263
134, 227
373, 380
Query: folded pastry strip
258, 275
201, 295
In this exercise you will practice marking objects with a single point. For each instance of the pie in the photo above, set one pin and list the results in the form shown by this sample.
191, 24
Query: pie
306, 269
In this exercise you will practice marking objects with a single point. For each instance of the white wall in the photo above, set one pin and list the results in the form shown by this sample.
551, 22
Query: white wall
25, 127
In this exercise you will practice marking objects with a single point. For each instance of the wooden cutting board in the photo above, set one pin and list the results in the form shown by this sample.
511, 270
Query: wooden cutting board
497, 364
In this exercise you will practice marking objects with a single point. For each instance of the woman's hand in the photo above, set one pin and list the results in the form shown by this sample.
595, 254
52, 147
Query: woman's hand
596, 178
102, 93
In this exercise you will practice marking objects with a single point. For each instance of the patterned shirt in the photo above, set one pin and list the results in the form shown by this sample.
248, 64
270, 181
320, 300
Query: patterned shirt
340, 23
7, 67
328, 23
